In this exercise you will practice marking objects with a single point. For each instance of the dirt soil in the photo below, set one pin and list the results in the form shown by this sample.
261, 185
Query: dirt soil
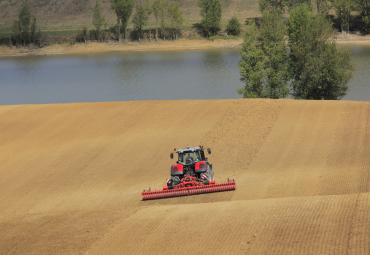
94, 48
71, 177
152, 46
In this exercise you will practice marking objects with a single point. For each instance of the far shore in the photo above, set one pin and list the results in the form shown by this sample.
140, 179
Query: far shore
352, 39
144, 46
150, 46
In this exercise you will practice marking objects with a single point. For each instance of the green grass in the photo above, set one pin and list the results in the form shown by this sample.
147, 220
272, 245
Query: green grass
5, 31
224, 37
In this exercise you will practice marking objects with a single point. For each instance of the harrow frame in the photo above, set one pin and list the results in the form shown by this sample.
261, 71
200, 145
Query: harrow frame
187, 187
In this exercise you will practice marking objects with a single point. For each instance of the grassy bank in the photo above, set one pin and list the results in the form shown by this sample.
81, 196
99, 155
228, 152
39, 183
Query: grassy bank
92, 48
179, 45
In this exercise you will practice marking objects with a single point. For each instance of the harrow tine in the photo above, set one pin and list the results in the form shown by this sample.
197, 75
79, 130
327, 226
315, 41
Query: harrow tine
188, 191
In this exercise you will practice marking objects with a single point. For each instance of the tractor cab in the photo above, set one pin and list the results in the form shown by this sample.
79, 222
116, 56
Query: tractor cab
191, 161
190, 155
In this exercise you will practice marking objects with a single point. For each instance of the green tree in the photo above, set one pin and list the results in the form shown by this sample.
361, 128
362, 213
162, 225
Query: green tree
252, 61
318, 70
82, 36
364, 8
264, 58
25, 29
343, 10
175, 18
140, 20
159, 12
322, 6
123, 10
211, 12
273, 30
233, 27
168, 18
24, 21
98, 19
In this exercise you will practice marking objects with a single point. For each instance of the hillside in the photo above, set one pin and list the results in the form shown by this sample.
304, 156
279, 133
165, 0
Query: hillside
76, 14
71, 177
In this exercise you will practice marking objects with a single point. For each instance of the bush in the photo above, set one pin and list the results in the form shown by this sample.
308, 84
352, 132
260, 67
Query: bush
82, 36
211, 12
318, 69
233, 27
25, 29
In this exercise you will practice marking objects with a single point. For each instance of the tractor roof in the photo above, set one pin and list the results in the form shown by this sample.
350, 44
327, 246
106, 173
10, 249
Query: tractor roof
189, 149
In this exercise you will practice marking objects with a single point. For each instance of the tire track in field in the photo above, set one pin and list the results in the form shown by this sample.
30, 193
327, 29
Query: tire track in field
71, 177
295, 225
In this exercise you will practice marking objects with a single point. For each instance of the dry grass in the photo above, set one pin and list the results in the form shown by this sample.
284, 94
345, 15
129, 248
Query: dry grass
91, 48
75, 14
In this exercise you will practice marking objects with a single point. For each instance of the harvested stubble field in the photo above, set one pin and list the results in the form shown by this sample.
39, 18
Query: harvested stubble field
71, 176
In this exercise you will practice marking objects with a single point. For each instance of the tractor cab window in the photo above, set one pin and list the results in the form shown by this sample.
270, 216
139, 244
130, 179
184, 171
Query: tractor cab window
189, 157
202, 156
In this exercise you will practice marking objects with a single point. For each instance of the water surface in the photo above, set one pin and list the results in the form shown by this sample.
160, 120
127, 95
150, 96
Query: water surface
359, 85
133, 76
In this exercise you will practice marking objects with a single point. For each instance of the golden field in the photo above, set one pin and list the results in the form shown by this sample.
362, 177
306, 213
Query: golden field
71, 177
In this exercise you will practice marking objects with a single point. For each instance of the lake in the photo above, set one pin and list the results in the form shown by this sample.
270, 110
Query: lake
136, 76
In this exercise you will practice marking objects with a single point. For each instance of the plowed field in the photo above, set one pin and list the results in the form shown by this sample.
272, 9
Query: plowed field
71, 177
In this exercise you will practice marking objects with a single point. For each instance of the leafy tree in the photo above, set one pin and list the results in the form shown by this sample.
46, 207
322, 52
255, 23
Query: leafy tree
82, 36
140, 19
168, 18
159, 11
123, 10
264, 62
252, 62
273, 30
98, 19
364, 7
211, 12
24, 22
25, 29
175, 17
343, 10
318, 70
35, 33
322, 6
233, 27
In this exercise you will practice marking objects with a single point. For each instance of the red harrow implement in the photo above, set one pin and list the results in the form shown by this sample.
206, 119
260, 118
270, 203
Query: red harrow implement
190, 177
188, 187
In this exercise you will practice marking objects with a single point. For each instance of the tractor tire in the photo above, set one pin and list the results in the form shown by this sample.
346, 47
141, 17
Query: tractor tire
173, 181
210, 173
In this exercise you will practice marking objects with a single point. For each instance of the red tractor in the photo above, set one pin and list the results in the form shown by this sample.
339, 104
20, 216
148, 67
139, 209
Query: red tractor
192, 174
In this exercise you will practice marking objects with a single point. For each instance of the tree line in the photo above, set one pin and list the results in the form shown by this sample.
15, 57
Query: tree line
25, 29
349, 14
293, 56
166, 14
169, 19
